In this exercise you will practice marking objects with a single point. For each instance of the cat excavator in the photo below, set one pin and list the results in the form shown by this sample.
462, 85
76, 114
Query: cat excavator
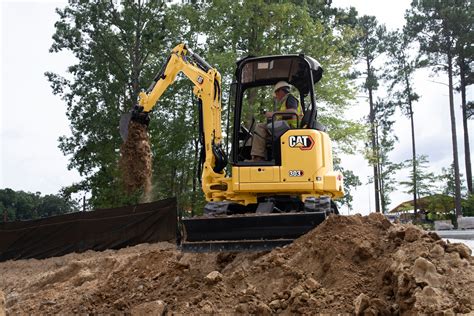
252, 205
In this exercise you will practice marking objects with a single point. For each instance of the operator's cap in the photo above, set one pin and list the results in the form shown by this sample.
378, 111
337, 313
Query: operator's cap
281, 84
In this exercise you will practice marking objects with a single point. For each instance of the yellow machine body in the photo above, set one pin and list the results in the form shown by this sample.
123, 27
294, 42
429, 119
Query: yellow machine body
306, 168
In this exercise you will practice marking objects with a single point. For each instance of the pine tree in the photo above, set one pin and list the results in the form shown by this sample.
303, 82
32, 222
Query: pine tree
433, 24
425, 181
371, 46
400, 68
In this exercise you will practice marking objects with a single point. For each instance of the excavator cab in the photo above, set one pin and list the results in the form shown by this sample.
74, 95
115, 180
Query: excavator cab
252, 93
286, 204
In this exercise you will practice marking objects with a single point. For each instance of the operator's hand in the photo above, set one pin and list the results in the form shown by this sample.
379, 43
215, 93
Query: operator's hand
268, 114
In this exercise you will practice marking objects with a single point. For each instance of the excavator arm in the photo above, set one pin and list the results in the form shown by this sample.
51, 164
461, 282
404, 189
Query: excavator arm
207, 88
182, 59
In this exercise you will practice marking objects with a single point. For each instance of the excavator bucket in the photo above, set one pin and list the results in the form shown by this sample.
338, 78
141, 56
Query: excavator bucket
123, 125
246, 232
136, 114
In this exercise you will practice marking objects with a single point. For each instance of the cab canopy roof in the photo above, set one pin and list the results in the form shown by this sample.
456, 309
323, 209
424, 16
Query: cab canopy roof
268, 70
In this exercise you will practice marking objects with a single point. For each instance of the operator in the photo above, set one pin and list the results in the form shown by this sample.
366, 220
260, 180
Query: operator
285, 102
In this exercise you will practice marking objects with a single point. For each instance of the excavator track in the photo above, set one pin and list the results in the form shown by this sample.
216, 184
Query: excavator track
246, 232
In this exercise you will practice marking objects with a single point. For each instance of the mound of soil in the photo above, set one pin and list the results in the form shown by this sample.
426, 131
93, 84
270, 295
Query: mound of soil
136, 160
348, 264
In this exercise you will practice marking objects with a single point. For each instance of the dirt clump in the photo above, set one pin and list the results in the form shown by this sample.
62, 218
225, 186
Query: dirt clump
2, 303
136, 160
348, 264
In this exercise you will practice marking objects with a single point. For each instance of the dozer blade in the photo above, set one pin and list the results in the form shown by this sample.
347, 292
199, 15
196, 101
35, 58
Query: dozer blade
250, 232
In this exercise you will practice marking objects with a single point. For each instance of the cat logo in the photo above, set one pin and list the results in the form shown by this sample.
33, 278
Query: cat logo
303, 142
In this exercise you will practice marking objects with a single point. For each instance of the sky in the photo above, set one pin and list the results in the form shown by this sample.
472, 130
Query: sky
431, 118
32, 118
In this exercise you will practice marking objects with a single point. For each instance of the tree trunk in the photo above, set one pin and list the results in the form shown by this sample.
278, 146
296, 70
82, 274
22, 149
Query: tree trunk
380, 173
136, 57
413, 148
413, 152
457, 182
467, 150
374, 143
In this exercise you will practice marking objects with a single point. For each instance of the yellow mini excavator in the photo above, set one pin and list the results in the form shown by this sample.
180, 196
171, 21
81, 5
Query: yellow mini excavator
253, 205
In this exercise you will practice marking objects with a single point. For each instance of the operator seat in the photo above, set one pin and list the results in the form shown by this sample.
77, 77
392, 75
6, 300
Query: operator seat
304, 122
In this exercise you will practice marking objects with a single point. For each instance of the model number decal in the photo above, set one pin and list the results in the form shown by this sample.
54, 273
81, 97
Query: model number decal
295, 173
303, 142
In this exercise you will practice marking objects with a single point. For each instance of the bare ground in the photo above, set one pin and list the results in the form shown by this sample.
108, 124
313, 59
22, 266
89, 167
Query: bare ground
349, 264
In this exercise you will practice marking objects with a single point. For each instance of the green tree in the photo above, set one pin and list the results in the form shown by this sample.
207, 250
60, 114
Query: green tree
385, 141
433, 24
51, 205
463, 30
174, 126
20, 205
447, 180
119, 48
371, 46
425, 180
351, 181
8, 200
115, 47
468, 206
400, 68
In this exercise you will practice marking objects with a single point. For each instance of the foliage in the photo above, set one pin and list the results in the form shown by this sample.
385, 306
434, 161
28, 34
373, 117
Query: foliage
400, 67
20, 205
468, 206
385, 141
115, 46
351, 181
440, 204
119, 47
440, 28
443, 202
424, 180
371, 46
448, 182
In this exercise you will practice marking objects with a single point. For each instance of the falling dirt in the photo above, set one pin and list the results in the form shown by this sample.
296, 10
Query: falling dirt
136, 160
349, 264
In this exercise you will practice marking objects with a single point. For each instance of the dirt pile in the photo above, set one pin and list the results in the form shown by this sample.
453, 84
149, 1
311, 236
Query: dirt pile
136, 160
353, 264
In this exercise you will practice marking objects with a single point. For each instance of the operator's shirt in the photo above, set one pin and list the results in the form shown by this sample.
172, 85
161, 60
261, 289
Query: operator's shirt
291, 102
